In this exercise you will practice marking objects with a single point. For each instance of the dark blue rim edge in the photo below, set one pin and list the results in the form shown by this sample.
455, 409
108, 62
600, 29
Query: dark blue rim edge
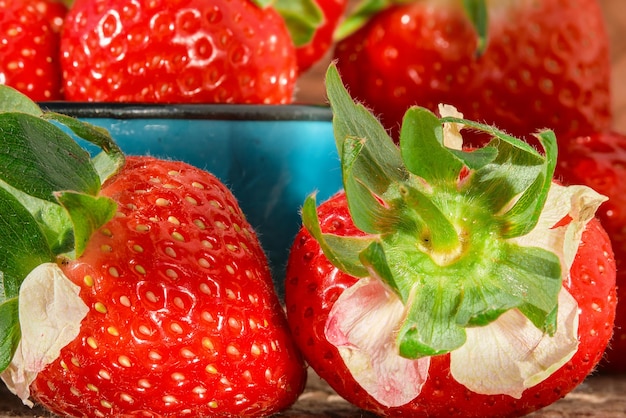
290, 112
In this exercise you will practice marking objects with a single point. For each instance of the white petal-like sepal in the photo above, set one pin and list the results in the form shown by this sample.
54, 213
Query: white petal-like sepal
50, 313
452, 137
362, 325
511, 354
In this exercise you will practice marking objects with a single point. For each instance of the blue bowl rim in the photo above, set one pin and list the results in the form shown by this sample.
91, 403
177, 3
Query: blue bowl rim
234, 112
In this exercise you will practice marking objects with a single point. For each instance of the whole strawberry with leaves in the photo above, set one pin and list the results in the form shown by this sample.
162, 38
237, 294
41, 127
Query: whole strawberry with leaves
30, 33
522, 65
147, 295
225, 51
599, 161
449, 282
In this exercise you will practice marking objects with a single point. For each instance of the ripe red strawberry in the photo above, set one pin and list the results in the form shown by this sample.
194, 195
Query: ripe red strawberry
171, 299
181, 51
29, 47
599, 161
322, 42
397, 290
546, 64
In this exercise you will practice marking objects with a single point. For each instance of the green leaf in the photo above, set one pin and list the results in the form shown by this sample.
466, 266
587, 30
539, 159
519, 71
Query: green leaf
422, 148
38, 158
374, 259
302, 17
430, 328
478, 14
22, 244
110, 160
534, 275
524, 214
9, 330
478, 158
362, 13
12, 100
342, 252
362, 174
351, 119
88, 213
51, 218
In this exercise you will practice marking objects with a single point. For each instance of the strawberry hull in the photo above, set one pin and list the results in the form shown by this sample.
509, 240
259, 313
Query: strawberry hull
311, 278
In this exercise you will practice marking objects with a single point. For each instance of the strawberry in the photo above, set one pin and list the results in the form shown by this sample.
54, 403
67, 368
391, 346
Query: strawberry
545, 64
160, 302
599, 161
322, 41
29, 47
444, 281
226, 51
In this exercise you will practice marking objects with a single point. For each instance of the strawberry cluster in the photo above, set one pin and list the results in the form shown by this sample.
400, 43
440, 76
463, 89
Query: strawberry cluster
242, 51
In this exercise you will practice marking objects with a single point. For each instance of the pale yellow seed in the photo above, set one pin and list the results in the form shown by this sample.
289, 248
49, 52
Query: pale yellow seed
173, 220
177, 376
139, 269
138, 248
162, 202
88, 280
208, 344
230, 269
230, 294
199, 390
64, 365
106, 248
174, 173
127, 398
92, 387
75, 391
232, 350
202, 262
204, 288
199, 224
151, 296
220, 225
169, 399
171, 252
207, 244
104, 374
178, 236
125, 301
191, 200
176, 328
113, 272
197, 185
211, 369
124, 361
154, 356
91, 341
106, 404
169, 186
179, 302
187, 353
100, 307
143, 329
113, 331
231, 247
142, 228
75, 362
106, 232
144, 383
171, 274
213, 404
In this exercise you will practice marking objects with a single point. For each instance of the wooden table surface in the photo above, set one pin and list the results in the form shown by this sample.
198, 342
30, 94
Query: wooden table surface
599, 396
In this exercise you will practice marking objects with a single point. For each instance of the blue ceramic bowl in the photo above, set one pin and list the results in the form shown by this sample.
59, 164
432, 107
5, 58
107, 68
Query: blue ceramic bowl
271, 157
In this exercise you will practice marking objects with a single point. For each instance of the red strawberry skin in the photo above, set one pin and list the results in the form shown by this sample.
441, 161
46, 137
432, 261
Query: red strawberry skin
183, 317
313, 284
546, 65
322, 41
29, 47
180, 51
599, 161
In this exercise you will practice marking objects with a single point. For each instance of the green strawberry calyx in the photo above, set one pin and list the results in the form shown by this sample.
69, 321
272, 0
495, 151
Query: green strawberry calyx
302, 17
465, 254
49, 207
